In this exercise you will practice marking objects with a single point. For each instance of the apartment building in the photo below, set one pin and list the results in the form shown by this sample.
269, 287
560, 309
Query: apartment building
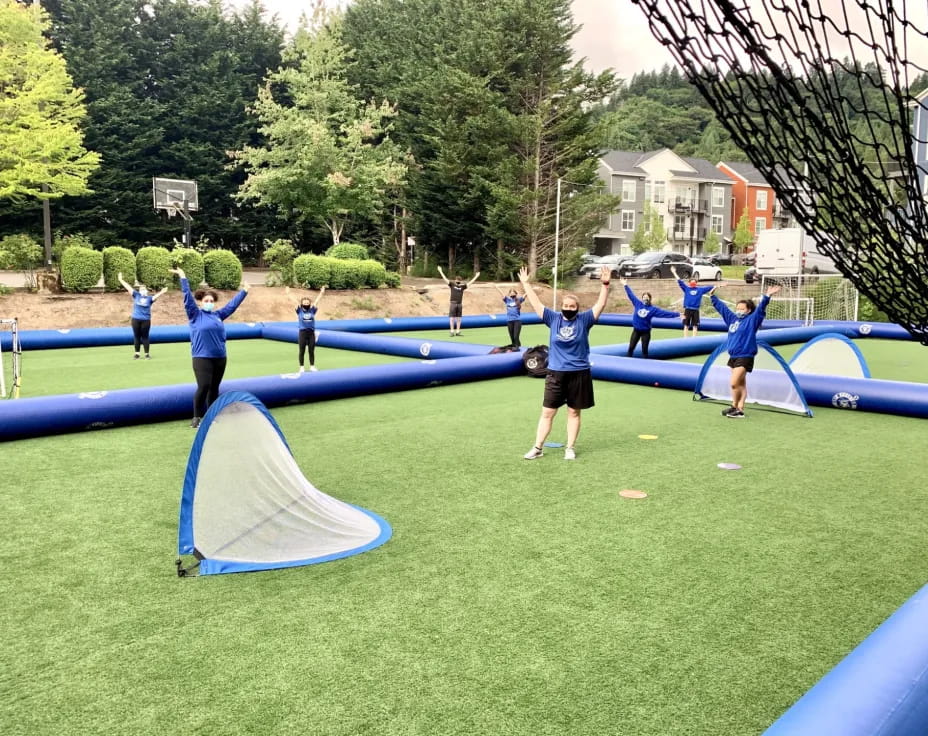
690, 194
750, 190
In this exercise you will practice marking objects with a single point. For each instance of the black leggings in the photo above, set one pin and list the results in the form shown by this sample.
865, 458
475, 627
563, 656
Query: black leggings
140, 328
645, 336
209, 372
515, 329
308, 340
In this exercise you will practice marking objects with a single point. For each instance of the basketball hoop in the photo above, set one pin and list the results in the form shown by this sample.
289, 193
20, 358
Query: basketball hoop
171, 211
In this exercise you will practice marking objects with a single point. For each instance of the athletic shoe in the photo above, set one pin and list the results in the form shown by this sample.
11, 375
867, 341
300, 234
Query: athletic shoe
313, 369
451, 334
736, 414
533, 454
458, 333
195, 422
135, 357
570, 453
302, 369
727, 412
147, 357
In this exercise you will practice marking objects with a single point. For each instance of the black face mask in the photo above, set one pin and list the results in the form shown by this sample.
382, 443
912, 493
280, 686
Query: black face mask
569, 313
646, 300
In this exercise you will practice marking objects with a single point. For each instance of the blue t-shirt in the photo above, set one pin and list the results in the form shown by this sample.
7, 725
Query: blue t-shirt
742, 331
692, 295
569, 347
207, 333
141, 305
513, 307
644, 313
306, 318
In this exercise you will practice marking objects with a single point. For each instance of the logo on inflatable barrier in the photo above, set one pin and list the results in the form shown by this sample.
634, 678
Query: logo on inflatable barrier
844, 400
64, 331
92, 395
865, 329
388, 320
532, 363
100, 425
425, 348
291, 376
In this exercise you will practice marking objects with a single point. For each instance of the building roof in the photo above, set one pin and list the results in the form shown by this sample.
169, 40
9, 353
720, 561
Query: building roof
746, 171
628, 162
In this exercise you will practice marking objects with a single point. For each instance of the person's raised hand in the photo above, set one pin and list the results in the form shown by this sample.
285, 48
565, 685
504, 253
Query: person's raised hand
771, 290
523, 275
623, 281
179, 272
605, 274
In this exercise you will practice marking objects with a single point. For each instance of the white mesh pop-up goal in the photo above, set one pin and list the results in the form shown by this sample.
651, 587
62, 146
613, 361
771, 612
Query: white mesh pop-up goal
771, 383
247, 506
830, 354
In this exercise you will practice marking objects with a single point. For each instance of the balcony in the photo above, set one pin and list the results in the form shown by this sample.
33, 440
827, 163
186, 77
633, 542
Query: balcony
684, 206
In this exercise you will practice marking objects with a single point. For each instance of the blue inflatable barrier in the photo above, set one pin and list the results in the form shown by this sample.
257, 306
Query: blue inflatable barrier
49, 415
880, 688
407, 324
94, 337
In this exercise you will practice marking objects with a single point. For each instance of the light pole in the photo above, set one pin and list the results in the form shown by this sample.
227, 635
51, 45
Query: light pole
557, 235
46, 205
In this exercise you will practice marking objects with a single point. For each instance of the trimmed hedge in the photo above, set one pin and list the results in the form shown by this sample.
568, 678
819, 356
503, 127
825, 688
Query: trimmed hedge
392, 280
348, 252
151, 266
223, 269
117, 260
191, 263
81, 268
311, 272
62, 242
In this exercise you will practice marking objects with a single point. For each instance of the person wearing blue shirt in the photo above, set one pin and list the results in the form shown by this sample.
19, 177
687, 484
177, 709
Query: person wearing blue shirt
306, 321
207, 340
743, 325
569, 380
513, 303
141, 315
642, 314
692, 301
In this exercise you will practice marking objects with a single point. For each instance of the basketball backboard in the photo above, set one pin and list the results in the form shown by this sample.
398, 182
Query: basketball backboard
173, 194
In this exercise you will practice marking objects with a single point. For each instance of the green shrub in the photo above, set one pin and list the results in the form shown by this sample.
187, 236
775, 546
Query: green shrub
311, 272
81, 268
343, 274
117, 260
392, 279
191, 263
348, 252
373, 273
223, 269
6, 261
867, 311
151, 266
279, 256
60, 243
23, 254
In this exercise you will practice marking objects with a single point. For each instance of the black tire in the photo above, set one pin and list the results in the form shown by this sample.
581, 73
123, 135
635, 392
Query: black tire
655, 274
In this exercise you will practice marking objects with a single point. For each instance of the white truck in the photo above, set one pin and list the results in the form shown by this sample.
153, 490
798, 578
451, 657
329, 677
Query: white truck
789, 252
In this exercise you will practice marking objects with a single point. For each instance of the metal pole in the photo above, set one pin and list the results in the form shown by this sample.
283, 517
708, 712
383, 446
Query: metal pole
187, 235
46, 205
557, 235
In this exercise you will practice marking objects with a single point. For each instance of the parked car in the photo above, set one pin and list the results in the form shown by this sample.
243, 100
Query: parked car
593, 269
703, 270
743, 259
656, 265
720, 259
751, 275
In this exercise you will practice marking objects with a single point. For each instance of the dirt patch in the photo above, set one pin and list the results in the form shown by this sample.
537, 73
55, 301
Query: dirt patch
416, 298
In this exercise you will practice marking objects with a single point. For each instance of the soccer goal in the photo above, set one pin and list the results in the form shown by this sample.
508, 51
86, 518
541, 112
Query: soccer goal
826, 298
10, 359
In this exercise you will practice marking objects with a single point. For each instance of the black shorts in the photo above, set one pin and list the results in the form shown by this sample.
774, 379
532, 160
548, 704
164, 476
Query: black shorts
457, 308
574, 388
741, 363
691, 318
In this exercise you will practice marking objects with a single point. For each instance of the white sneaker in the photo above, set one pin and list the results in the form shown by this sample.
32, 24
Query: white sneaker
313, 369
533, 454
570, 453
302, 369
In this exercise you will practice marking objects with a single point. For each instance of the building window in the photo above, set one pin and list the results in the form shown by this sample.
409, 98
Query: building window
628, 190
761, 199
717, 224
718, 196
760, 223
647, 190
628, 220
660, 191
679, 225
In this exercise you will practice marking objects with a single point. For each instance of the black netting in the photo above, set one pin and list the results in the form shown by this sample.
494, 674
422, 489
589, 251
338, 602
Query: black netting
820, 95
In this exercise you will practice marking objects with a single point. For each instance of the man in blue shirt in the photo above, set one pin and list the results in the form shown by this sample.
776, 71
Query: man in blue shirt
569, 380
743, 325
692, 301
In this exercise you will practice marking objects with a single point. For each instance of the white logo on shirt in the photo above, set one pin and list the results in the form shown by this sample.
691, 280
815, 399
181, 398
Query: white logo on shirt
693, 292
642, 313
566, 332
733, 327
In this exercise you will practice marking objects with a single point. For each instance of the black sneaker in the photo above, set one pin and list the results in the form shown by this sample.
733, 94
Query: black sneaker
727, 412
195, 422
135, 357
147, 356
736, 414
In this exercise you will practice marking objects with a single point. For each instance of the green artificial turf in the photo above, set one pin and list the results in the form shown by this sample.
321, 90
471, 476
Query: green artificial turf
515, 597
